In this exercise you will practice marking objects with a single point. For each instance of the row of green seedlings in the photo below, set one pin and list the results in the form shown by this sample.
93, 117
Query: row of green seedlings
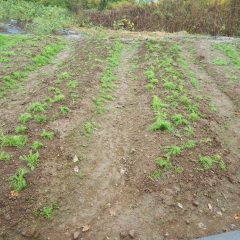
36, 112
233, 56
177, 95
12, 80
108, 78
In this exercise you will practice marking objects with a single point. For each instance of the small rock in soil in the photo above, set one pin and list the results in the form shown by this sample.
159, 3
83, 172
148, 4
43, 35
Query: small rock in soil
132, 233
202, 225
233, 226
195, 203
180, 205
7, 217
76, 235
75, 158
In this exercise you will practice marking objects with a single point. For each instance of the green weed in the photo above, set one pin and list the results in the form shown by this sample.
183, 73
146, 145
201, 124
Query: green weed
219, 62
154, 175
20, 129
193, 117
47, 135
32, 159
37, 107
207, 162
4, 156
63, 76
179, 119
18, 141
72, 85
190, 144
36, 145
25, 117
58, 98
64, 110
163, 163
88, 128
149, 87
40, 118
161, 124
47, 211
174, 151
17, 181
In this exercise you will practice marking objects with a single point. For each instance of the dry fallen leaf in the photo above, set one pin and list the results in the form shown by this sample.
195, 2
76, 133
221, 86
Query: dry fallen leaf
13, 194
112, 212
210, 206
236, 217
85, 228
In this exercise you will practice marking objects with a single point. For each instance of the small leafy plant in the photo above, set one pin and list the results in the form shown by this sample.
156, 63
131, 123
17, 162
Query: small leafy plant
174, 151
47, 135
25, 117
64, 110
32, 159
36, 145
18, 141
17, 181
20, 129
4, 156
37, 107
88, 128
47, 211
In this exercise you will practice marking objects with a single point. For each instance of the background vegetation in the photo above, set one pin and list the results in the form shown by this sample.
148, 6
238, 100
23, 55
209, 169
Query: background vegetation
215, 17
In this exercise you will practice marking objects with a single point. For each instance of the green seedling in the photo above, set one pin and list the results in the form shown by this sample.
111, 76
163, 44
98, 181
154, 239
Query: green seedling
212, 107
54, 90
40, 118
72, 85
25, 117
149, 74
88, 128
37, 107
154, 175
64, 110
161, 124
20, 129
47, 135
63, 76
17, 181
4, 156
163, 163
154, 81
190, 144
157, 104
179, 119
58, 98
18, 141
179, 170
149, 87
32, 159
207, 162
47, 211
174, 151
185, 100
169, 85
219, 62
193, 117
188, 131
36, 145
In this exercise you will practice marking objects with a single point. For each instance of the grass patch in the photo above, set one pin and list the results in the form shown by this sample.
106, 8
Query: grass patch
88, 128
40, 118
208, 162
219, 62
161, 124
4, 156
36, 145
17, 181
20, 129
18, 141
32, 159
37, 107
24, 118
174, 151
47, 211
64, 110
47, 135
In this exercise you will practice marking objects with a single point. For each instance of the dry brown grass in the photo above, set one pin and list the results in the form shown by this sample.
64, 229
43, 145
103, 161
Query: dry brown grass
176, 15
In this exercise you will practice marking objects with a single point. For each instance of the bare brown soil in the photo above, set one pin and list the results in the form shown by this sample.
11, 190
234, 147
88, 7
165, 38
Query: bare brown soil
110, 197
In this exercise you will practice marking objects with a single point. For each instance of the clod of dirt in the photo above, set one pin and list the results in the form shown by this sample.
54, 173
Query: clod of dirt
195, 203
132, 234
75, 158
85, 228
76, 235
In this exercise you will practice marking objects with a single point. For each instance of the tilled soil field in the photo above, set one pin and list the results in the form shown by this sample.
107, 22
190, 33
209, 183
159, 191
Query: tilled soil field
119, 136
